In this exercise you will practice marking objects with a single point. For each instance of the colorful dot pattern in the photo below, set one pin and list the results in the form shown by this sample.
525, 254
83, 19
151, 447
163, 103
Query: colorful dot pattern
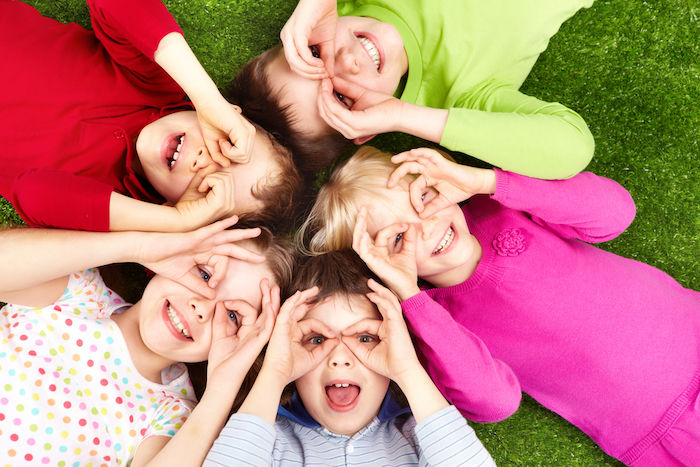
69, 392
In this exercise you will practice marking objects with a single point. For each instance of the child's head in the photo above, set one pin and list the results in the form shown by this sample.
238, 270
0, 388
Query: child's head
176, 323
443, 241
367, 52
171, 152
340, 393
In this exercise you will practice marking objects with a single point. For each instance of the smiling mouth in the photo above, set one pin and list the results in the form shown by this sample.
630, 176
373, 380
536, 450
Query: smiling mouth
177, 324
445, 242
173, 150
371, 50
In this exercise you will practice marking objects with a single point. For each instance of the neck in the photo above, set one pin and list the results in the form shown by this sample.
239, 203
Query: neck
148, 363
462, 272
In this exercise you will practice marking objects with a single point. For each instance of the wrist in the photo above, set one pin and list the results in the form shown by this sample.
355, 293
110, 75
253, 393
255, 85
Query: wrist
489, 182
406, 292
424, 122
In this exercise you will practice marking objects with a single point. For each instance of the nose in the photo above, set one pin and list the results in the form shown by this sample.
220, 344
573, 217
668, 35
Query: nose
346, 60
200, 159
427, 226
341, 357
202, 308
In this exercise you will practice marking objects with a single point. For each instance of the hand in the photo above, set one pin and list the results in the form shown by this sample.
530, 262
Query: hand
312, 23
288, 356
231, 355
364, 113
228, 135
209, 197
394, 355
178, 256
395, 264
452, 182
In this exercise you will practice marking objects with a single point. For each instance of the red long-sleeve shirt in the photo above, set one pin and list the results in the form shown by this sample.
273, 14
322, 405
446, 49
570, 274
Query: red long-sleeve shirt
74, 102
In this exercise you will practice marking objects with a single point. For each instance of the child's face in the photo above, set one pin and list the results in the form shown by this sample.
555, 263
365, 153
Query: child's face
368, 52
444, 245
341, 393
177, 324
170, 170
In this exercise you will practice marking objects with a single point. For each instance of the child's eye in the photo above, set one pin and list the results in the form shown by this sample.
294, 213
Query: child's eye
398, 239
341, 98
232, 316
366, 338
314, 51
204, 275
317, 340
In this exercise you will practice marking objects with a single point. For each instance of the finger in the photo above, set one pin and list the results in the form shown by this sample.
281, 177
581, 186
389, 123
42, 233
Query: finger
240, 253
246, 312
387, 304
416, 189
362, 352
220, 329
387, 235
364, 326
299, 56
215, 152
435, 205
300, 297
314, 326
194, 282
230, 151
327, 51
220, 264
319, 352
409, 167
410, 238
359, 94
359, 229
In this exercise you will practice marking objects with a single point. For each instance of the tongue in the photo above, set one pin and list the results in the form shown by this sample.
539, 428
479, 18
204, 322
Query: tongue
342, 396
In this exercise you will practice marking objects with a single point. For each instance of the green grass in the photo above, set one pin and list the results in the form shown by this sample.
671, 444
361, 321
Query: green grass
629, 68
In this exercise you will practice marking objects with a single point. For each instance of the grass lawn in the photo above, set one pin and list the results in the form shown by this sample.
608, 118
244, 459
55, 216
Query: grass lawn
628, 67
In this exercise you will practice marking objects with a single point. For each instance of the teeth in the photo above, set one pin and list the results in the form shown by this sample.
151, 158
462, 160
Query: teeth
338, 385
176, 322
447, 239
371, 50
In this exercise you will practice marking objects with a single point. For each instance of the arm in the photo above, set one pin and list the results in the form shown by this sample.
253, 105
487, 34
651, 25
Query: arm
483, 388
36, 260
519, 133
138, 33
588, 207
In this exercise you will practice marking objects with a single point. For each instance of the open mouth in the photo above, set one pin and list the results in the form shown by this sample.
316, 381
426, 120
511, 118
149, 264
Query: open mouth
372, 50
445, 242
178, 327
172, 151
342, 397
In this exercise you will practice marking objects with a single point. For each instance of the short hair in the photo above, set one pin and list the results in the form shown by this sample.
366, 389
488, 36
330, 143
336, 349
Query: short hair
280, 261
282, 193
331, 221
260, 103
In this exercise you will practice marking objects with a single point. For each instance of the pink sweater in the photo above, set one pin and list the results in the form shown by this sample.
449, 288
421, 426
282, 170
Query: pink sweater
609, 343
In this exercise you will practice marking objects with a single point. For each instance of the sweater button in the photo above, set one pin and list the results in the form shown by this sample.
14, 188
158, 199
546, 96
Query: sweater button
349, 448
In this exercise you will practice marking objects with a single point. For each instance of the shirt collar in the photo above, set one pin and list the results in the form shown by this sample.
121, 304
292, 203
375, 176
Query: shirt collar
296, 412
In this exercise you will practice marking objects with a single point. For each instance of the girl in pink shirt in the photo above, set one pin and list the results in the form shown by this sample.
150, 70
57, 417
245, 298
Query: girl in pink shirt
513, 297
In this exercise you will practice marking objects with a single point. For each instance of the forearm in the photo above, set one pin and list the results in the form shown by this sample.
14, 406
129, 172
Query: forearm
175, 56
34, 256
424, 122
263, 398
423, 396
131, 214
196, 436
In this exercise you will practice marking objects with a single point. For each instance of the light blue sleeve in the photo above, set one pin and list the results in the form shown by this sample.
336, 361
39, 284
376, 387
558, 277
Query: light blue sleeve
245, 440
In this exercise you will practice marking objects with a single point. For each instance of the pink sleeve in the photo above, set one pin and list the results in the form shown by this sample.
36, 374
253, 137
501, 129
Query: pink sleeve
588, 207
483, 388
52, 198
130, 31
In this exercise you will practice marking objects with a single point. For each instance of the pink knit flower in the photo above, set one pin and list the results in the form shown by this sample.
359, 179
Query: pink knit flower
509, 242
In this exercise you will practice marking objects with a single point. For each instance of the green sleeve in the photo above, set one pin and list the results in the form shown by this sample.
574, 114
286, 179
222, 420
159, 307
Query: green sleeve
519, 133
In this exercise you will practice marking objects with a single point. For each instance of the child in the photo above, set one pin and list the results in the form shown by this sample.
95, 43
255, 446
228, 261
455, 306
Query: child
88, 378
96, 132
512, 297
456, 66
341, 342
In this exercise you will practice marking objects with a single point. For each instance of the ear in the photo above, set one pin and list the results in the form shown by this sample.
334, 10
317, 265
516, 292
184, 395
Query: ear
363, 139
238, 108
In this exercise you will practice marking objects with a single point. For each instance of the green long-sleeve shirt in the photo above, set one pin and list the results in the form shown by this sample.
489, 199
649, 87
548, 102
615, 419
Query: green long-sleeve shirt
471, 56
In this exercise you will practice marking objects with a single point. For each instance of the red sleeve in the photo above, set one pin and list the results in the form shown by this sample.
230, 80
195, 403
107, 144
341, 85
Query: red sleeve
588, 207
131, 30
52, 198
483, 388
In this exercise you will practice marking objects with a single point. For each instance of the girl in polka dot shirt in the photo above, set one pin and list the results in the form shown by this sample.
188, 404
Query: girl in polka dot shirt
87, 379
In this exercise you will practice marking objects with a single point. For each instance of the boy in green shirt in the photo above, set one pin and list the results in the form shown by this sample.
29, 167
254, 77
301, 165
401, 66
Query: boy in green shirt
446, 71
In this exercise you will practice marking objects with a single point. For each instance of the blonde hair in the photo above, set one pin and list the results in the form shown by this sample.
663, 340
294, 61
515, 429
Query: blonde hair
359, 180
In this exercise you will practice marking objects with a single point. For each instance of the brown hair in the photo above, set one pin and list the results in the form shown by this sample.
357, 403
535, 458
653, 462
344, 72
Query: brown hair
282, 193
339, 272
252, 91
280, 260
